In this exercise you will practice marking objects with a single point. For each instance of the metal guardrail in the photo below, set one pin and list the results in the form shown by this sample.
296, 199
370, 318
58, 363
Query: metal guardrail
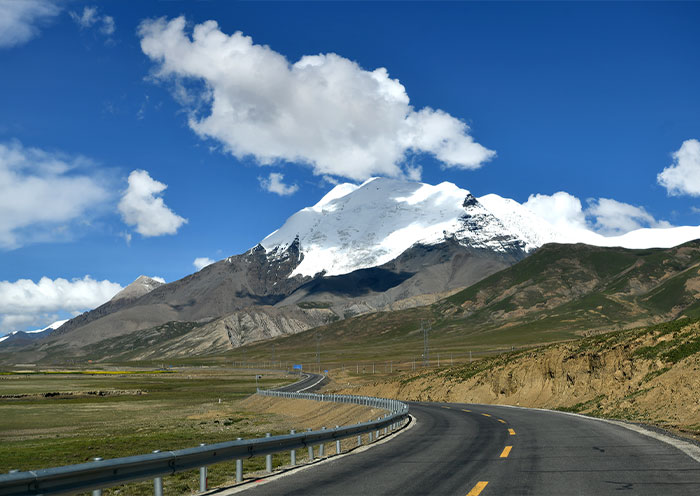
99, 474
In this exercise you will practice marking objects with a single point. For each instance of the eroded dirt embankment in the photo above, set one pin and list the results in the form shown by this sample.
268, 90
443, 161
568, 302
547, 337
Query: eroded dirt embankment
649, 375
304, 414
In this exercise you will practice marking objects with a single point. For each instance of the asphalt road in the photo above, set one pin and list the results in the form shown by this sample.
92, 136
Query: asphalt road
463, 450
307, 384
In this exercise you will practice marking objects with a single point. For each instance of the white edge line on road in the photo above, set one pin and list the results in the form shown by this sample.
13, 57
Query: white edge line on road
689, 449
226, 491
312, 385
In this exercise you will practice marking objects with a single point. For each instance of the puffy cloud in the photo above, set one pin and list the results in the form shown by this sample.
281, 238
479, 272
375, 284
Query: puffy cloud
323, 110
560, 209
683, 176
140, 206
603, 215
90, 17
612, 217
20, 19
28, 303
275, 184
42, 192
201, 262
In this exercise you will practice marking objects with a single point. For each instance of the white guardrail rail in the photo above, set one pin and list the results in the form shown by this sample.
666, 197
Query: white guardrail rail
100, 474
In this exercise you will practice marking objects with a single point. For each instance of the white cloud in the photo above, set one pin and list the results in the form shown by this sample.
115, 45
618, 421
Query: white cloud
91, 17
41, 193
159, 279
683, 176
20, 20
561, 209
108, 25
604, 216
28, 303
141, 207
275, 184
323, 110
611, 217
201, 262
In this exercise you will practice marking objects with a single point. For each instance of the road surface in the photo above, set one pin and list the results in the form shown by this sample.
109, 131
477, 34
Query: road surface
495, 450
307, 384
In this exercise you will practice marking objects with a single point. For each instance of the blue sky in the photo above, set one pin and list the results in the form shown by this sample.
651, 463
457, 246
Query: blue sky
591, 99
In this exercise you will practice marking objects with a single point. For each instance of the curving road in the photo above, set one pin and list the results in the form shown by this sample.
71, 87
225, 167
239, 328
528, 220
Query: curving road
463, 450
306, 384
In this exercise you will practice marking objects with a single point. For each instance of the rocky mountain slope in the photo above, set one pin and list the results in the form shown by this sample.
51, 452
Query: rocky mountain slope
559, 292
407, 241
385, 244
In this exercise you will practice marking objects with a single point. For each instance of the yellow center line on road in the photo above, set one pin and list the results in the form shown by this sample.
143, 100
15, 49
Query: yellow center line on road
506, 451
468, 411
476, 490
447, 407
502, 421
511, 432
486, 415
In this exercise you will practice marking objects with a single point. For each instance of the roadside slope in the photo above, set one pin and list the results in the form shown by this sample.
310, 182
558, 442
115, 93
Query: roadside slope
648, 375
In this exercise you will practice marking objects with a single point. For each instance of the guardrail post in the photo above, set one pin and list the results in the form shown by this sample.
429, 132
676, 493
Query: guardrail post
95, 492
321, 450
157, 483
311, 449
370, 437
293, 453
268, 459
239, 468
359, 440
202, 476
337, 444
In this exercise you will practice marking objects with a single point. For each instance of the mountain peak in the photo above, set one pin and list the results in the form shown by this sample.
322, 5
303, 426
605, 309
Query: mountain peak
359, 226
141, 286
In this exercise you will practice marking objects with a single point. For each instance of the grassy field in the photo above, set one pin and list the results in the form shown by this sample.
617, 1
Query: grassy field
61, 418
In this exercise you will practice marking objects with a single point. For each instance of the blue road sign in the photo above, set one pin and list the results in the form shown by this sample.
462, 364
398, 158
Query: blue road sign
296, 367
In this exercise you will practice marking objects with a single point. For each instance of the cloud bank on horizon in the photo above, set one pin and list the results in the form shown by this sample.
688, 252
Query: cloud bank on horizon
28, 303
323, 110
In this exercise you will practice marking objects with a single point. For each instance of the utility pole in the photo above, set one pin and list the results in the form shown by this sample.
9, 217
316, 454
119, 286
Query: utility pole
426, 348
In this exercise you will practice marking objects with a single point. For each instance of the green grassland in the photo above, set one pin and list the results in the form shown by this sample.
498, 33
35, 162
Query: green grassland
139, 411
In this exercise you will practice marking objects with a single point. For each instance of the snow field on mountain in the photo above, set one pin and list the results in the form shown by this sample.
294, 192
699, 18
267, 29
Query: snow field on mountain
360, 226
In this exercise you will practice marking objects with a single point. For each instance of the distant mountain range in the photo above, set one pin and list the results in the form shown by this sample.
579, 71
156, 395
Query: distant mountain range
386, 244
20, 338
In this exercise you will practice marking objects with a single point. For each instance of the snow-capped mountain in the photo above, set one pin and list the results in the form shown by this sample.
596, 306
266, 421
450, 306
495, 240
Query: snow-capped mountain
360, 226
45, 331
356, 227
